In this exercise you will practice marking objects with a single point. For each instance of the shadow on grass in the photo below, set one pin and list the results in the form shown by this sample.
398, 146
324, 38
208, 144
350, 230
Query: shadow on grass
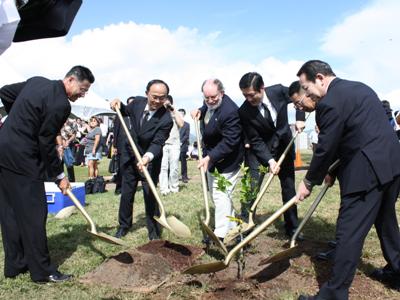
63, 245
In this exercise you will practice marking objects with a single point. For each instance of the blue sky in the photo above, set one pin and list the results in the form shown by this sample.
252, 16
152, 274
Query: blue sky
287, 29
128, 43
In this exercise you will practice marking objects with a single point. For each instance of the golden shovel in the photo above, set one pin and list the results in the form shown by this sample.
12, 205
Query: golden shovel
204, 223
244, 227
93, 230
288, 253
170, 222
220, 265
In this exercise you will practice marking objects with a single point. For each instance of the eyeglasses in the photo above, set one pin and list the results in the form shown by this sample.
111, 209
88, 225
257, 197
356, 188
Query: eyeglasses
299, 104
160, 98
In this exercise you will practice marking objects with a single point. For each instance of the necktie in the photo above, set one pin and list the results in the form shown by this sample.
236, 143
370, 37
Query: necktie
208, 116
145, 118
267, 114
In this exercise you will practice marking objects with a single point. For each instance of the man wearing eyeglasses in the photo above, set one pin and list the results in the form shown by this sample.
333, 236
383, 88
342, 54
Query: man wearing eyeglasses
354, 128
222, 149
37, 109
265, 124
300, 99
150, 125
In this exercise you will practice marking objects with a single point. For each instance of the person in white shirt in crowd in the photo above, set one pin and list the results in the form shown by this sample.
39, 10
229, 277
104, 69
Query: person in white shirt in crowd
169, 175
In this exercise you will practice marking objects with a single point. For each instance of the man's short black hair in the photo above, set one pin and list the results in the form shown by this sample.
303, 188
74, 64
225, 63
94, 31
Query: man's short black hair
311, 68
81, 73
156, 81
182, 110
251, 80
294, 88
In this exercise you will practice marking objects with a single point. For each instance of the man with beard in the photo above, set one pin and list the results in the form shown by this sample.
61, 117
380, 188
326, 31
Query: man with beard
222, 149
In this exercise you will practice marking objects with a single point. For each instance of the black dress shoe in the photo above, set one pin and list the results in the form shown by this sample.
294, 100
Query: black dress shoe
56, 277
326, 256
387, 276
332, 244
154, 237
121, 232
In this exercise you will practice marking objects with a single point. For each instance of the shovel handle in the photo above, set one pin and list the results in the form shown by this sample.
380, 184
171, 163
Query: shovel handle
202, 174
271, 176
313, 207
260, 228
82, 210
269, 180
139, 159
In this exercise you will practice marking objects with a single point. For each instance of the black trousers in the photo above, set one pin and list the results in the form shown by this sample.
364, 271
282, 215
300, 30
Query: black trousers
23, 215
117, 176
182, 158
130, 180
286, 178
358, 212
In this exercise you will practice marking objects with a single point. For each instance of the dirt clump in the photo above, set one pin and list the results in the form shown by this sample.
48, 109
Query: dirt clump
143, 269
178, 256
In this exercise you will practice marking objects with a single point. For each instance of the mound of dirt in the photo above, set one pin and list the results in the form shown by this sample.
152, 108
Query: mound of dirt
155, 267
178, 256
145, 268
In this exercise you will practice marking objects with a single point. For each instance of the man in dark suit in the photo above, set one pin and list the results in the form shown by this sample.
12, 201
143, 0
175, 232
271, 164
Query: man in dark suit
354, 128
150, 127
222, 148
265, 124
37, 109
184, 133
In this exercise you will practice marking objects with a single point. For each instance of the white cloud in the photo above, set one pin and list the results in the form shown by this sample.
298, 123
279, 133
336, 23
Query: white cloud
369, 43
125, 56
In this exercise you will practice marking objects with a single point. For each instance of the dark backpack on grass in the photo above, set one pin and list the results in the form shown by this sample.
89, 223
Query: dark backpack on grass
89, 186
99, 185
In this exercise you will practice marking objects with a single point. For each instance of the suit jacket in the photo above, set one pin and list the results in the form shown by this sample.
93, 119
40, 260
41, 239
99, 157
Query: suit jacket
184, 133
37, 109
267, 140
222, 137
151, 136
119, 139
354, 128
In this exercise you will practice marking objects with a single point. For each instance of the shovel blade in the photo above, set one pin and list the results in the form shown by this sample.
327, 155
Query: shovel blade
237, 231
286, 254
65, 212
212, 235
108, 238
178, 227
206, 268
174, 225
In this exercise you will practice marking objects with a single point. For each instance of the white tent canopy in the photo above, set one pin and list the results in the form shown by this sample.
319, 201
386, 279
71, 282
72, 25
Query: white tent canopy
91, 105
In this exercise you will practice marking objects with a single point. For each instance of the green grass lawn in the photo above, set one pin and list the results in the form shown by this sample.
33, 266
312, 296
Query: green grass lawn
76, 252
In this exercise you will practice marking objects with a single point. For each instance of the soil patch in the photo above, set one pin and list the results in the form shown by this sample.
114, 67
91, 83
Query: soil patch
155, 267
179, 257
144, 269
